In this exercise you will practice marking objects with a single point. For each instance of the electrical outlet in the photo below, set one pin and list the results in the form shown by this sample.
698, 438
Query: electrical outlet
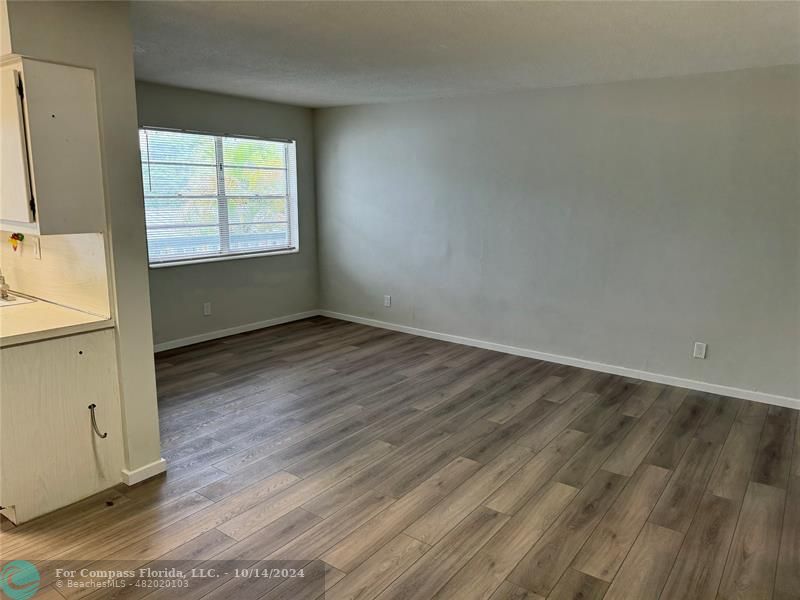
699, 350
206, 308
387, 301
37, 248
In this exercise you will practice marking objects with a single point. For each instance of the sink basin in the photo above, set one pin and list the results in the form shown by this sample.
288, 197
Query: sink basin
14, 300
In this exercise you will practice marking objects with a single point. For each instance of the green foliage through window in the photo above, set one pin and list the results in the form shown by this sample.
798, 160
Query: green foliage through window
207, 196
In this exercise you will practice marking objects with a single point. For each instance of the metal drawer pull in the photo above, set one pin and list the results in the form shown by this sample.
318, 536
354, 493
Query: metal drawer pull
94, 423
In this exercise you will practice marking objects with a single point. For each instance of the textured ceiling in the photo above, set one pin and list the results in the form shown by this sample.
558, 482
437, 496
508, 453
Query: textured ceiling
335, 53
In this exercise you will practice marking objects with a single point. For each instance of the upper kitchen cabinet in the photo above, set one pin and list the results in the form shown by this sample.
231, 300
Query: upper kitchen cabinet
52, 179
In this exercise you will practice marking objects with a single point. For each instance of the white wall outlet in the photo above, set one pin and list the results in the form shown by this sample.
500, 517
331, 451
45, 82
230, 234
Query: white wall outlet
387, 301
699, 350
37, 248
206, 308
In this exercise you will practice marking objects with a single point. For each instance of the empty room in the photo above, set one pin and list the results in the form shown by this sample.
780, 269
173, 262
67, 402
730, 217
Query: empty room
400, 300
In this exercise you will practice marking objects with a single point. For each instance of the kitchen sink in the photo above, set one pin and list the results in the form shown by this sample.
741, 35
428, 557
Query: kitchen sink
14, 300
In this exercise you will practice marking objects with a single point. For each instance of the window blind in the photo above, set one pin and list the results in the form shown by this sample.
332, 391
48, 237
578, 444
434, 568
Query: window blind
210, 196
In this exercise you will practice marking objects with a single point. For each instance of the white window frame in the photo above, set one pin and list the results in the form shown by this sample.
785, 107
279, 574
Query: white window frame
292, 200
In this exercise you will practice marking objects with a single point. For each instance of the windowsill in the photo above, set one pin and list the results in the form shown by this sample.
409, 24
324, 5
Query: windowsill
196, 261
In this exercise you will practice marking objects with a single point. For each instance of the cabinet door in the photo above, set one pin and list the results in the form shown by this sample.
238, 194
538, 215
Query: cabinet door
14, 180
49, 454
64, 145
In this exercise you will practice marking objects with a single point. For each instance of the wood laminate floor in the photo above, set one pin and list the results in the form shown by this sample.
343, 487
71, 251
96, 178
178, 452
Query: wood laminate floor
420, 469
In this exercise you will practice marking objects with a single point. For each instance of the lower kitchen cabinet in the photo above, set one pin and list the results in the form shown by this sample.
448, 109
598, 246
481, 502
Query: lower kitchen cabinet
50, 455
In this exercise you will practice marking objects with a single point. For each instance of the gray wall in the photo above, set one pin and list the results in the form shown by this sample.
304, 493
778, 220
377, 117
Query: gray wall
247, 290
614, 223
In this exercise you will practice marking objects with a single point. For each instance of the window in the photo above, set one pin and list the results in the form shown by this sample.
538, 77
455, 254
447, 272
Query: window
210, 197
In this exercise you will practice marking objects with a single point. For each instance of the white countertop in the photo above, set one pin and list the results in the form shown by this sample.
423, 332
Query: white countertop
41, 320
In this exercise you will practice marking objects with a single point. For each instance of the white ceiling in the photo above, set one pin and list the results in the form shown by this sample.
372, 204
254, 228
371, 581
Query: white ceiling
335, 53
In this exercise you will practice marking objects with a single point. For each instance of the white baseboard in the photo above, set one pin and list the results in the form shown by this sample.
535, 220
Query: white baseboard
220, 333
701, 386
145, 472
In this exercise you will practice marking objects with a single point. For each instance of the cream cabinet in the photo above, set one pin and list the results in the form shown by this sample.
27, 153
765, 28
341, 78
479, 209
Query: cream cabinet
50, 453
51, 180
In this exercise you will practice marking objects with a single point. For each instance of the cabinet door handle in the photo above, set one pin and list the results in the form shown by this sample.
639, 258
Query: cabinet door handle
94, 423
